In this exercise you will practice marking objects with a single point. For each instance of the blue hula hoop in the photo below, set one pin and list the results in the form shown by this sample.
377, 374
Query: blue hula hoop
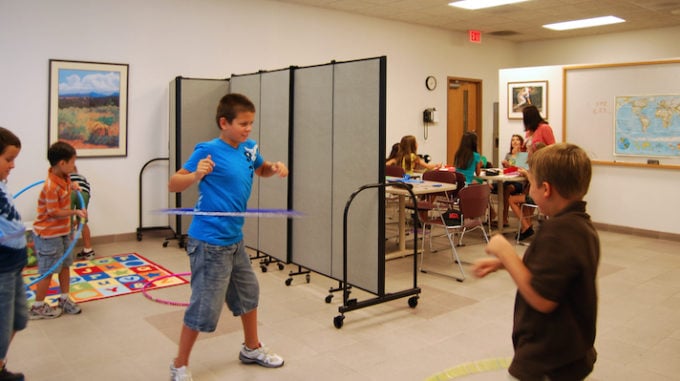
69, 250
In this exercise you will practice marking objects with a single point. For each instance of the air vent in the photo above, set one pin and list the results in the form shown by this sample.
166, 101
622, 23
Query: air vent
503, 33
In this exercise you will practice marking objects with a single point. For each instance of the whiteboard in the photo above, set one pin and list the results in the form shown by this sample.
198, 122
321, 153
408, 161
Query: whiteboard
590, 93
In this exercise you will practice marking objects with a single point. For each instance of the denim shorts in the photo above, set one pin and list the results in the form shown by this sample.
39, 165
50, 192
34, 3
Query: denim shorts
13, 308
219, 274
50, 250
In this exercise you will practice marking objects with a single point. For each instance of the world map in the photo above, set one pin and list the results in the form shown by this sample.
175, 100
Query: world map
647, 125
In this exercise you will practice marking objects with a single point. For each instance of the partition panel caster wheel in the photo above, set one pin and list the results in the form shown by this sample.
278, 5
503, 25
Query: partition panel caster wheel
329, 298
263, 268
289, 281
281, 266
413, 301
338, 320
308, 278
165, 243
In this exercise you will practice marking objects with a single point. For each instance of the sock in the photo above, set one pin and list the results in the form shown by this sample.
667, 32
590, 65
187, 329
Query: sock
38, 304
87, 250
63, 296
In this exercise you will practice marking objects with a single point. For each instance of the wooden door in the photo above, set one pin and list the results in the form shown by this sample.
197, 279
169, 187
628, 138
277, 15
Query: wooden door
463, 113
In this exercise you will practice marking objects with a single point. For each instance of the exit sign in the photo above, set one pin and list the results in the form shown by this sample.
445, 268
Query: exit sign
475, 36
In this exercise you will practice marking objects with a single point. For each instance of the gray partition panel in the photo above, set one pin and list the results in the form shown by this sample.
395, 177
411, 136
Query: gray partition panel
356, 138
338, 129
312, 166
193, 103
249, 85
274, 138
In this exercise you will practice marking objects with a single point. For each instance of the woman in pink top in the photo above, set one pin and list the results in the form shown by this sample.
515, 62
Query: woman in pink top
538, 131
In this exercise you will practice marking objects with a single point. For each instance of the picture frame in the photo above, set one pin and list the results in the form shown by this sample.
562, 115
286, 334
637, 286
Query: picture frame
521, 94
88, 104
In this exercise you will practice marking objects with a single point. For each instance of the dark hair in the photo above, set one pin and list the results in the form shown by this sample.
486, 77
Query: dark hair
60, 151
393, 153
232, 104
521, 143
532, 118
465, 154
7, 138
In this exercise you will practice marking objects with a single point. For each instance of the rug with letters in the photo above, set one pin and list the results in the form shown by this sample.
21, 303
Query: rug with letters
106, 277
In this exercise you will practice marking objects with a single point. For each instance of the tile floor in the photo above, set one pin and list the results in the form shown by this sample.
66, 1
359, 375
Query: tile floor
132, 338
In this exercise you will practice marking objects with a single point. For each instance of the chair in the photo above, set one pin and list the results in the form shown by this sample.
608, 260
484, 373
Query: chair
394, 171
451, 197
473, 201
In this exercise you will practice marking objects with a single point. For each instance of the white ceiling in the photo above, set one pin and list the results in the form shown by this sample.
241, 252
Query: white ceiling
516, 22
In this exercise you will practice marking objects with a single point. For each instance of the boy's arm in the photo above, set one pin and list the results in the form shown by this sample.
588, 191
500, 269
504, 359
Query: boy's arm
183, 179
502, 249
268, 169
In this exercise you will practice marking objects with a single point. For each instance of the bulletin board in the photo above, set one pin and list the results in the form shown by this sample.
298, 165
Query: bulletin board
603, 103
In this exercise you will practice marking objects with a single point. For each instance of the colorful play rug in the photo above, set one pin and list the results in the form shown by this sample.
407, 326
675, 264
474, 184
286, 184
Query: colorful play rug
106, 277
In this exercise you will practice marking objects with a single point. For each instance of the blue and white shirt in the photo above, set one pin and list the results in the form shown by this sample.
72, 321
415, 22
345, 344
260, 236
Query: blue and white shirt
226, 189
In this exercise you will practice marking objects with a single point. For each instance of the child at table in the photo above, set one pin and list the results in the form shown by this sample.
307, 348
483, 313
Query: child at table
467, 160
510, 187
556, 302
407, 156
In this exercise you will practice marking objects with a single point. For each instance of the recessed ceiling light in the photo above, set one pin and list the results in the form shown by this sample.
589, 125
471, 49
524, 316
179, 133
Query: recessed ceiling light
479, 4
585, 23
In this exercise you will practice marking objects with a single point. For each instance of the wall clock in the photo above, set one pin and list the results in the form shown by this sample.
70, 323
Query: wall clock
431, 82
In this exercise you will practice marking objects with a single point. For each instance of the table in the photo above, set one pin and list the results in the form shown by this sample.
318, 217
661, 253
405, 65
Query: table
501, 179
419, 188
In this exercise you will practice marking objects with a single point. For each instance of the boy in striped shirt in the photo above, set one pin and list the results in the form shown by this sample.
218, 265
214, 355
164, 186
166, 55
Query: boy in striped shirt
51, 230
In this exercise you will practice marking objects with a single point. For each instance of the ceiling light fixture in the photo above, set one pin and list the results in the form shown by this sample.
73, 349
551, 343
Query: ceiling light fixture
479, 4
585, 23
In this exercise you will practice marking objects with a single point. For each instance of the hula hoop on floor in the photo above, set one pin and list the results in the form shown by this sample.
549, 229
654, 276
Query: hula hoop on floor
159, 300
248, 213
69, 250
474, 367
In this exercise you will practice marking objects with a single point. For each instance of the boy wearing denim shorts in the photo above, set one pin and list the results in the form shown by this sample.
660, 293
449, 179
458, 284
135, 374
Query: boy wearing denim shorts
556, 302
13, 309
51, 230
220, 267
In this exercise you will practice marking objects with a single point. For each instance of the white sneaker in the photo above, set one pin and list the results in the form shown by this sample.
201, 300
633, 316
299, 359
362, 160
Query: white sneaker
180, 374
43, 312
260, 356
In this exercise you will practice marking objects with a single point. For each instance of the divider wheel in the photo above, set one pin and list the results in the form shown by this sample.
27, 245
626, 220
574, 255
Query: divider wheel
289, 281
413, 301
281, 266
338, 320
329, 298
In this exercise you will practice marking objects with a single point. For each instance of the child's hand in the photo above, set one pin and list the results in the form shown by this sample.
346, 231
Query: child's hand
82, 213
75, 186
279, 168
205, 166
485, 266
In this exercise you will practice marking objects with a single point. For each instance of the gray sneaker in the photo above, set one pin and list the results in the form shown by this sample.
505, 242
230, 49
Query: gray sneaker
180, 374
43, 312
69, 307
260, 356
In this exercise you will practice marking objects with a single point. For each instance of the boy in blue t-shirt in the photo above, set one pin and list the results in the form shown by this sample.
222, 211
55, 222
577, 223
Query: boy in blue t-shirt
220, 267
13, 305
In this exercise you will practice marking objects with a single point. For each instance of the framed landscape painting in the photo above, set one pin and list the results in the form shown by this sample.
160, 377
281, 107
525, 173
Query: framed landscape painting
522, 94
88, 107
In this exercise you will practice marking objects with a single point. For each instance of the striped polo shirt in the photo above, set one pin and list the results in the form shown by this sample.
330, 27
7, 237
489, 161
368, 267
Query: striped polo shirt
54, 196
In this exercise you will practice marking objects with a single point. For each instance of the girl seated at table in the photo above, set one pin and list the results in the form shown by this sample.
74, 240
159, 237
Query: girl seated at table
467, 160
407, 157
510, 187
